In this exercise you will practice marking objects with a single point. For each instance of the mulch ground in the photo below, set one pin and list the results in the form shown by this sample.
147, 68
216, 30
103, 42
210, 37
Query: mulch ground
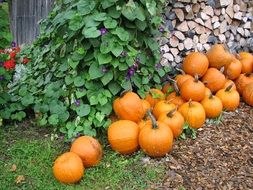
220, 158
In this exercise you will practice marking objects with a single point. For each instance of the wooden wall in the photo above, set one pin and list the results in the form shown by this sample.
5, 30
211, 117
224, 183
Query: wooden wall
24, 17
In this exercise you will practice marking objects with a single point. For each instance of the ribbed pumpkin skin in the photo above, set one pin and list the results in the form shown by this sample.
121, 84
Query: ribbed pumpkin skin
152, 100
229, 82
193, 89
175, 122
213, 106
214, 79
233, 69
163, 106
129, 107
175, 99
242, 81
218, 56
248, 94
145, 105
123, 136
193, 113
247, 62
181, 79
68, 168
156, 142
88, 149
195, 63
230, 99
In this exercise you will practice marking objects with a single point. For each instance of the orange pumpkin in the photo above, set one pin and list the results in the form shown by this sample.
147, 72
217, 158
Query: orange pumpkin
146, 105
167, 88
212, 105
233, 69
68, 168
218, 56
242, 81
228, 82
195, 63
129, 107
246, 60
181, 79
143, 123
156, 139
207, 92
88, 149
248, 94
163, 106
154, 96
123, 136
174, 120
193, 89
193, 113
175, 97
214, 79
230, 98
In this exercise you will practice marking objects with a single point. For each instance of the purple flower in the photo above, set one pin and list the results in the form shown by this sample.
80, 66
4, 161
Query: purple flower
158, 66
1, 77
13, 44
161, 29
135, 65
77, 102
130, 73
123, 54
78, 135
104, 69
103, 31
1, 1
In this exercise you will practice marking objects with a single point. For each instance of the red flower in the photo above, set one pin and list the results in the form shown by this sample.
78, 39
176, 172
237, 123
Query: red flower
12, 54
16, 49
1, 51
26, 60
10, 64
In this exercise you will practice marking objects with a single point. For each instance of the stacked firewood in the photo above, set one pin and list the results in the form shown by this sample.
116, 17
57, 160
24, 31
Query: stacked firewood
198, 24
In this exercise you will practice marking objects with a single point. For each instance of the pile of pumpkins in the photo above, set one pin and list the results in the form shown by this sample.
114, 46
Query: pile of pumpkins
208, 84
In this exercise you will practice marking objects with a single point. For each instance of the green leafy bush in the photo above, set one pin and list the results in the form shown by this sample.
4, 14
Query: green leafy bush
88, 52
5, 35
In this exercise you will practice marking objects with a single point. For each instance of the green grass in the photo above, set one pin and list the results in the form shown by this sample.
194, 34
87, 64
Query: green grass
33, 152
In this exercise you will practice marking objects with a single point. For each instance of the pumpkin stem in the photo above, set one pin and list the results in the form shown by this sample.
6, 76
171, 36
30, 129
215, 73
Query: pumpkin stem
247, 74
237, 56
226, 47
196, 78
190, 103
176, 88
124, 92
210, 96
229, 87
181, 71
154, 124
171, 113
222, 69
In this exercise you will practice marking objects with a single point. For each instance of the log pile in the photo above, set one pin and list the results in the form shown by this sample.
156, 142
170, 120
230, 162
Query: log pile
197, 24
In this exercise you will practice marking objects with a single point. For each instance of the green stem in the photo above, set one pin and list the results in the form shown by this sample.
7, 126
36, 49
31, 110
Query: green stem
154, 124
176, 88
181, 71
211, 96
190, 103
229, 87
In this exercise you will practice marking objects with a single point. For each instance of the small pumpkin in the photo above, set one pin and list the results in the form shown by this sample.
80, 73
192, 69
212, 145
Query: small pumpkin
233, 69
246, 60
214, 79
207, 92
193, 89
174, 120
146, 105
218, 56
123, 136
195, 63
212, 105
175, 97
181, 78
88, 149
230, 98
156, 139
242, 81
248, 94
154, 96
228, 82
68, 168
167, 88
129, 107
163, 106
193, 113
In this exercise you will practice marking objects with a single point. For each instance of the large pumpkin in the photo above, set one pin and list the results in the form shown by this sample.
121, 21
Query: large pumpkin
123, 136
247, 62
163, 106
214, 79
195, 63
233, 69
242, 81
218, 56
193, 113
174, 120
68, 168
129, 107
248, 94
212, 105
88, 149
230, 98
193, 89
154, 96
156, 138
